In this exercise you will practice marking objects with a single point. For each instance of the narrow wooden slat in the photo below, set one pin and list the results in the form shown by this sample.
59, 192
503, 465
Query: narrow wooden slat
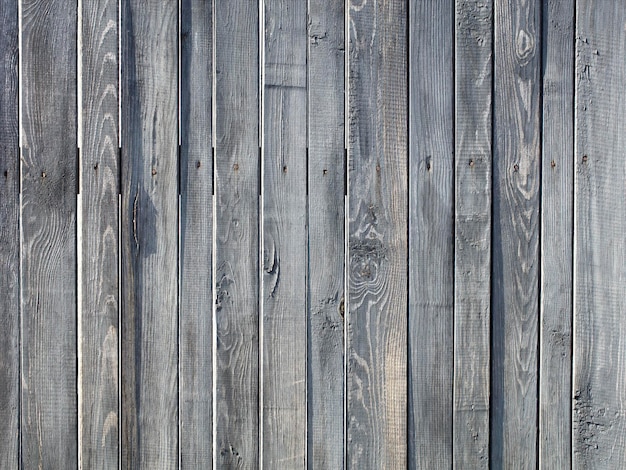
149, 234
99, 381
49, 430
9, 238
284, 277
557, 224
473, 98
378, 210
196, 236
599, 413
326, 212
237, 233
515, 264
431, 232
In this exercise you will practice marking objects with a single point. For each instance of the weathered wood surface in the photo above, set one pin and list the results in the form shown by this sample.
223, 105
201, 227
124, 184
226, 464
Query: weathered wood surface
377, 236
284, 277
599, 391
9, 238
49, 420
516, 209
149, 234
237, 234
557, 224
431, 232
99, 176
326, 246
472, 254
196, 235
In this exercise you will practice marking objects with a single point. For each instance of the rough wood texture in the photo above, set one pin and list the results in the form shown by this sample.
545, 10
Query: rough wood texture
49, 429
9, 238
284, 278
326, 169
431, 232
237, 234
599, 415
472, 272
557, 168
196, 235
515, 268
99, 343
377, 274
149, 234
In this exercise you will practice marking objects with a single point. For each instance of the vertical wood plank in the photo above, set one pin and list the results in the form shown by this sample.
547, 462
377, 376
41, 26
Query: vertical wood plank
196, 235
377, 274
599, 414
98, 367
557, 224
473, 99
284, 278
150, 234
431, 232
49, 429
237, 232
326, 244
9, 237
515, 266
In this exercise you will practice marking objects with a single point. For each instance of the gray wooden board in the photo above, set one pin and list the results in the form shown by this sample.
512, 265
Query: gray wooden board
599, 391
149, 234
557, 169
515, 249
472, 272
326, 175
284, 276
49, 429
196, 235
99, 329
431, 232
9, 238
237, 234
378, 210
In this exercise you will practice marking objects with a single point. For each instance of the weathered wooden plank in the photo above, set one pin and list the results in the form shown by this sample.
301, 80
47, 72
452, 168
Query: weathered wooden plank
599, 414
284, 286
377, 273
49, 429
149, 234
196, 235
515, 264
326, 243
472, 272
237, 234
99, 343
557, 224
9, 238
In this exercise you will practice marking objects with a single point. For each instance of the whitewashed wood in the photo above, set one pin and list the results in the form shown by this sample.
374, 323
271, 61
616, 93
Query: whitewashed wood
599, 389
472, 276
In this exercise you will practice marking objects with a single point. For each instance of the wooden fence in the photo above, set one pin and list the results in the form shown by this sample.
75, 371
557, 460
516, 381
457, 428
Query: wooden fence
365, 235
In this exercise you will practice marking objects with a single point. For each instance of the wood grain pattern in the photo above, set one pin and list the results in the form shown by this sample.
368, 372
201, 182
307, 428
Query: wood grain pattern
49, 428
377, 243
99, 343
149, 234
237, 231
472, 271
326, 244
284, 277
9, 238
599, 413
557, 224
515, 268
196, 235
431, 232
